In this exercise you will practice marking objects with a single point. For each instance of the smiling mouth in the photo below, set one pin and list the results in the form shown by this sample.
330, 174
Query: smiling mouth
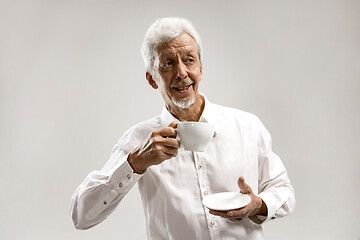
182, 88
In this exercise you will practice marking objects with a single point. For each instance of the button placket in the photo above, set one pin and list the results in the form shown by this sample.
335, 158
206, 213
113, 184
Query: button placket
199, 160
202, 158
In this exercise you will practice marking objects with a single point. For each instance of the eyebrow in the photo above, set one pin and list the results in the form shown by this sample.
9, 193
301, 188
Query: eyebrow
168, 54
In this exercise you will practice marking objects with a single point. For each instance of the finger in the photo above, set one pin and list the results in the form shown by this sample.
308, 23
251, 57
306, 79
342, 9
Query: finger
170, 151
167, 146
244, 187
168, 132
171, 142
219, 213
173, 124
234, 214
224, 214
238, 213
235, 219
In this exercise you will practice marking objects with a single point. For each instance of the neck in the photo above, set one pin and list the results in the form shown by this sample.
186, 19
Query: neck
190, 114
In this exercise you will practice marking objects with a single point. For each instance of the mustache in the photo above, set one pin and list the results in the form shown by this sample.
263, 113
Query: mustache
181, 83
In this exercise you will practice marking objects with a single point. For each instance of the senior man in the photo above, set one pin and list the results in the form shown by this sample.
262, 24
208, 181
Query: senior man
173, 181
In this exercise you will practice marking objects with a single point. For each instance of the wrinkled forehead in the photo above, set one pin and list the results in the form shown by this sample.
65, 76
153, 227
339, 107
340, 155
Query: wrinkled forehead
182, 45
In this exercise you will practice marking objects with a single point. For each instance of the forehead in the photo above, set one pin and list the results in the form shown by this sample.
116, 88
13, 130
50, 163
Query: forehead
183, 44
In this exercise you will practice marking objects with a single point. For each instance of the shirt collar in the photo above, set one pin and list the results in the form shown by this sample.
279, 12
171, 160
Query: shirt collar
206, 116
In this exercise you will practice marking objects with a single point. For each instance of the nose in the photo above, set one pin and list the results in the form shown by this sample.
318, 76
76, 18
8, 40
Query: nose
181, 70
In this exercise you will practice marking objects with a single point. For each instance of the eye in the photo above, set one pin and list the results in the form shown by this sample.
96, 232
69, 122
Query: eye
190, 60
167, 63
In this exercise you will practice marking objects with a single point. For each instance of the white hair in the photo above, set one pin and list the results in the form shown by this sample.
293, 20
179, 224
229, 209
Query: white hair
163, 31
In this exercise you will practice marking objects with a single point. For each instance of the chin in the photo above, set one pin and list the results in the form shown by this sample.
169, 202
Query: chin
184, 104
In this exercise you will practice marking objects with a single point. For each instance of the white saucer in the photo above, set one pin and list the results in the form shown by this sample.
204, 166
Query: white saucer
226, 201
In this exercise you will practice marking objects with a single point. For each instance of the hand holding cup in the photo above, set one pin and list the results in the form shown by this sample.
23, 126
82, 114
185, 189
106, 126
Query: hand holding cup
160, 146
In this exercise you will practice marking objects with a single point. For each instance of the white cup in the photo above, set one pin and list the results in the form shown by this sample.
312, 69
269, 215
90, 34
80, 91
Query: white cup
194, 136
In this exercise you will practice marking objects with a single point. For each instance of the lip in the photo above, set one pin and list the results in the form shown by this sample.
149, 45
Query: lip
183, 89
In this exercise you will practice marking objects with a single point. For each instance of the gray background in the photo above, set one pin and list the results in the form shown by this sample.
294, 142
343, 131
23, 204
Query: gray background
72, 81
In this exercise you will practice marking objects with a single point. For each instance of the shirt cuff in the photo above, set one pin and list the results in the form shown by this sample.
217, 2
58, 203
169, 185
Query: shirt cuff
271, 204
124, 176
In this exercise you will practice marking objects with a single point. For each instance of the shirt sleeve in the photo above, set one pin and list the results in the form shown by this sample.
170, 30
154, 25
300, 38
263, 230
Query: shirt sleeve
274, 185
101, 191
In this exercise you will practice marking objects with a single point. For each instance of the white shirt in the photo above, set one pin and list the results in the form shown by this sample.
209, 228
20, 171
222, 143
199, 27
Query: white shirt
172, 192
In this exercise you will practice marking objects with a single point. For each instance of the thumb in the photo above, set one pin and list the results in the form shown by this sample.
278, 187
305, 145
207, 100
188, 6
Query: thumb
173, 124
244, 187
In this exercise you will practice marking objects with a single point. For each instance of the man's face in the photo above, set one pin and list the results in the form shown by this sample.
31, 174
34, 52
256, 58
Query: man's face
177, 71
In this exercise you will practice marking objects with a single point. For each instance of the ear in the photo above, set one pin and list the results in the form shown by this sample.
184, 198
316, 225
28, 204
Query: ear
151, 81
200, 73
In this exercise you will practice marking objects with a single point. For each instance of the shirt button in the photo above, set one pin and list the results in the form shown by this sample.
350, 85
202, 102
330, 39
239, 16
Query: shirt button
212, 223
205, 193
120, 184
128, 176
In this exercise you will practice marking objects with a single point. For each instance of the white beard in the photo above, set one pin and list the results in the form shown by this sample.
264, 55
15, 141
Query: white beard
184, 104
